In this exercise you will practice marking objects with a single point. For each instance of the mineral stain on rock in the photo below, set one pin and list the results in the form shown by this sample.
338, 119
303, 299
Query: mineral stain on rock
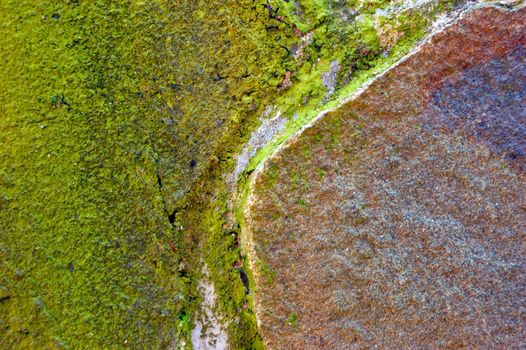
487, 102
398, 221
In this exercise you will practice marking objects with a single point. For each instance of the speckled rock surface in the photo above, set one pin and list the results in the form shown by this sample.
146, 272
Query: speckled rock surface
127, 133
398, 221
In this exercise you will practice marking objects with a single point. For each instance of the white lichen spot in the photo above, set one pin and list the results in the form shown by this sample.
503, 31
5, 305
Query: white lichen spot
329, 79
270, 126
208, 332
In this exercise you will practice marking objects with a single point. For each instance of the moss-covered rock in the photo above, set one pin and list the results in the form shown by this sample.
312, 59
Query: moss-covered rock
120, 121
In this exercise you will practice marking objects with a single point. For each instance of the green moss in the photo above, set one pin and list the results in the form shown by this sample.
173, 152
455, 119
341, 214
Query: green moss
107, 128
295, 180
267, 273
292, 320
321, 172
84, 250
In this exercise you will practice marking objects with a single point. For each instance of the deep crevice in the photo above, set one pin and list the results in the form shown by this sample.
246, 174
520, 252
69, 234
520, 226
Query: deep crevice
244, 279
159, 181
171, 217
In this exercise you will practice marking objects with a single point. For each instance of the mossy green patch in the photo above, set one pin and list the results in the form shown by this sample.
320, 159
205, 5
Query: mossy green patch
84, 245
111, 111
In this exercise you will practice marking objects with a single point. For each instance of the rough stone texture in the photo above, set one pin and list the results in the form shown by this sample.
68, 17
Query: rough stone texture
398, 221
121, 122
208, 332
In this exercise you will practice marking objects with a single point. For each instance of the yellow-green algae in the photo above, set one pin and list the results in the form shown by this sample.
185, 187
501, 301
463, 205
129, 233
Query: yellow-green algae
119, 121
110, 110
83, 237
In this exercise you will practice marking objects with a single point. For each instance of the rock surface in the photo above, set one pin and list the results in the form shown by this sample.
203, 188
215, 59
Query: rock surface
125, 128
399, 220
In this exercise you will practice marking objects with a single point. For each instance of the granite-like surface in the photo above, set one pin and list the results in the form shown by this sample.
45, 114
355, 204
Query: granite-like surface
398, 221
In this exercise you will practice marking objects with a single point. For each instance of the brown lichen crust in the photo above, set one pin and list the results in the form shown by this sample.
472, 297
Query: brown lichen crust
398, 221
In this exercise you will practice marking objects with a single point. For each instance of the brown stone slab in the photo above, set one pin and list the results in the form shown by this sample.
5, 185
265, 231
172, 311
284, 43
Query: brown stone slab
398, 221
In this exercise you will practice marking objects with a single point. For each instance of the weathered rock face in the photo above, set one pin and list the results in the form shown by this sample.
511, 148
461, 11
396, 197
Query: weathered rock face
399, 220
121, 121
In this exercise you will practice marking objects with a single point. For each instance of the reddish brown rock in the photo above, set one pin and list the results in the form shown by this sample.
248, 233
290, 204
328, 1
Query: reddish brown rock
398, 221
